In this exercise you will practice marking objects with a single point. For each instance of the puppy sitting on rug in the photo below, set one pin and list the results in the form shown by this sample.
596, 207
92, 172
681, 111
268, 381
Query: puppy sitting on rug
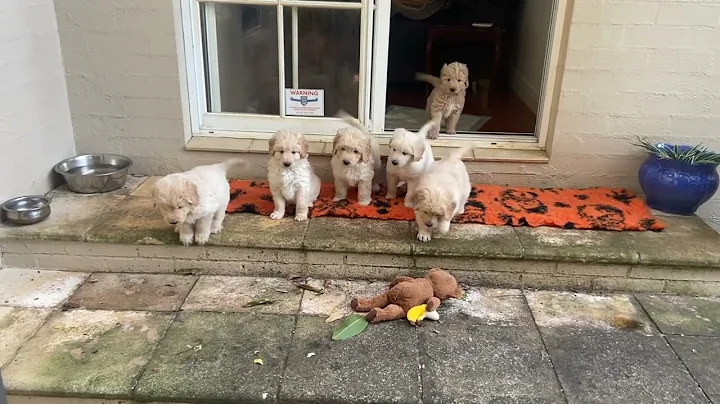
195, 201
410, 156
441, 194
447, 99
290, 175
355, 160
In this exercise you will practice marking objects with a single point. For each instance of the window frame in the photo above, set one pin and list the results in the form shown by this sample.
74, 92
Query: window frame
373, 78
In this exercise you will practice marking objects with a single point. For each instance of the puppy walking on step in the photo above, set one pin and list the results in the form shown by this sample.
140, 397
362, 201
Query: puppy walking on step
410, 156
447, 100
441, 195
290, 175
195, 201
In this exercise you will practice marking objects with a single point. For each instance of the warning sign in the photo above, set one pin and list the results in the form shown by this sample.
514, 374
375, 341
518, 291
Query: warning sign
300, 102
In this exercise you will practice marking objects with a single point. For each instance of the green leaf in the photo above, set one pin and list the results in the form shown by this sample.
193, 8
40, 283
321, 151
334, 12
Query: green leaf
353, 325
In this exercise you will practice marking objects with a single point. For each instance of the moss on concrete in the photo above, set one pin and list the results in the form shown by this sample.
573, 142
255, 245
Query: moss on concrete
255, 231
359, 236
473, 240
133, 221
547, 243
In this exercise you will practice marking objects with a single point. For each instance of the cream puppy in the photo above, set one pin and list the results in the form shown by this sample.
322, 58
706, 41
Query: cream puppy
290, 175
410, 156
355, 160
447, 100
440, 195
195, 201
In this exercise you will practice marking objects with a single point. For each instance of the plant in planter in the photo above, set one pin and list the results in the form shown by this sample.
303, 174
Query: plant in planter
678, 179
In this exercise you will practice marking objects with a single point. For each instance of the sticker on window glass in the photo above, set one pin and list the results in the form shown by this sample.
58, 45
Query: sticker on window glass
299, 102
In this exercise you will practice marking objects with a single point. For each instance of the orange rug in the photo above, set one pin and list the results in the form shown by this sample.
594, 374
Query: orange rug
592, 208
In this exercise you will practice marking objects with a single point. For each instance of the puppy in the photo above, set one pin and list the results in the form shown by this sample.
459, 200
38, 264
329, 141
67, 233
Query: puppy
290, 175
447, 99
410, 156
440, 195
195, 201
355, 160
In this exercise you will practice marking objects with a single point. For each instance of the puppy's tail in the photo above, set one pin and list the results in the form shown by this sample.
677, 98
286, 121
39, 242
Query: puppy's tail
425, 129
435, 81
352, 121
233, 162
457, 154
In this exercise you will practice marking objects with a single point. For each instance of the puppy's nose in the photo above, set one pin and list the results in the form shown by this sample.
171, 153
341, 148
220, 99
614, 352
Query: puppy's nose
395, 162
346, 162
173, 222
428, 224
286, 164
452, 89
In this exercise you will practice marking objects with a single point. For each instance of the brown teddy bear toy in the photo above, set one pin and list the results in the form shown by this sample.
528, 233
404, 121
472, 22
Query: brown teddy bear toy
406, 292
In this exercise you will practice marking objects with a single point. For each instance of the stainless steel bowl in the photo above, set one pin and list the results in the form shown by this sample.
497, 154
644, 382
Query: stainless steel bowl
26, 209
94, 173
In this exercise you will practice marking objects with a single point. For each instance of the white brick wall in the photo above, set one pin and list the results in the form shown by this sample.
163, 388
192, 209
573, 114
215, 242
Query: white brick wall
35, 129
634, 67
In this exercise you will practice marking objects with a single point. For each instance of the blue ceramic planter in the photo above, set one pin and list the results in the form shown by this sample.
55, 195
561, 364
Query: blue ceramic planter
677, 187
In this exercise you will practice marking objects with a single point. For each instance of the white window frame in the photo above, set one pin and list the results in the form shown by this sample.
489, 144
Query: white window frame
374, 44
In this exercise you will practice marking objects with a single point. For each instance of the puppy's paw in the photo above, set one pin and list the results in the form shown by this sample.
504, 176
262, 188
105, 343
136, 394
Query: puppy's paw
364, 202
433, 133
216, 228
452, 132
177, 229
391, 195
276, 215
408, 203
301, 217
337, 199
202, 239
186, 239
423, 237
376, 187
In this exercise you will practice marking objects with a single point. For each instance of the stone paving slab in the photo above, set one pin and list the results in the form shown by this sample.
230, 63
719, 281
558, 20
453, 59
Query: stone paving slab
70, 219
702, 357
133, 221
601, 367
208, 357
34, 288
255, 231
605, 313
244, 294
686, 241
146, 188
377, 366
359, 235
17, 325
486, 306
471, 364
549, 243
684, 314
472, 240
82, 353
119, 291
337, 295
133, 182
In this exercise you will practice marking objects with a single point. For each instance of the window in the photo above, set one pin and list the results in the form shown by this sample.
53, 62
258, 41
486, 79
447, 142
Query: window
257, 66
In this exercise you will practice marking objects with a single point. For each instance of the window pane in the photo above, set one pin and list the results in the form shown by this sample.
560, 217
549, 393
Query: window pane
328, 55
247, 58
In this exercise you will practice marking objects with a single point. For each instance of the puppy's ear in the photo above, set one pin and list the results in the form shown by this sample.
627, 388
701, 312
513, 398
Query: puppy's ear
190, 193
304, 146
466, 73
336, 142
366, 152
418, 150
448, 209
271, 144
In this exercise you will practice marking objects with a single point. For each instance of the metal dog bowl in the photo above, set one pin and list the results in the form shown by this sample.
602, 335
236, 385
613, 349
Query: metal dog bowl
26, 209
94, 173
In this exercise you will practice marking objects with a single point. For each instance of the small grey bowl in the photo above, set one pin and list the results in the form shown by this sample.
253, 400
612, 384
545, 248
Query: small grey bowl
94, 173
25, 210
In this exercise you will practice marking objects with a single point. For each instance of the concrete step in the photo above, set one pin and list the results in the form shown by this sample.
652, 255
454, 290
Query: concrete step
120, 232
111, 338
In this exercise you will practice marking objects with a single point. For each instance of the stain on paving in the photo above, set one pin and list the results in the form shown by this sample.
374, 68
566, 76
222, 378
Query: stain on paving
118, 291
97, 353
337, 296
244, 294
585, 311
503, 307
17, 325
37, 288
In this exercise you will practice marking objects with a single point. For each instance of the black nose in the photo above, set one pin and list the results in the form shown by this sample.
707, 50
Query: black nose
395, 162
452, 90
287, 164
346, 162
173, 222
428, 224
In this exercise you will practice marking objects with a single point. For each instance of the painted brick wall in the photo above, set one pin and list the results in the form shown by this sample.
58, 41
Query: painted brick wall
646, 67
35, 129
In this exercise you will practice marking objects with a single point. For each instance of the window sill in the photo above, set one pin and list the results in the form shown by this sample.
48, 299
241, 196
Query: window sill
512, 152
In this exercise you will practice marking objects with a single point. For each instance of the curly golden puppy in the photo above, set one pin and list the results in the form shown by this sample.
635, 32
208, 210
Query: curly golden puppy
440, 195
410, 156
447, 99
290, 175
355, 160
